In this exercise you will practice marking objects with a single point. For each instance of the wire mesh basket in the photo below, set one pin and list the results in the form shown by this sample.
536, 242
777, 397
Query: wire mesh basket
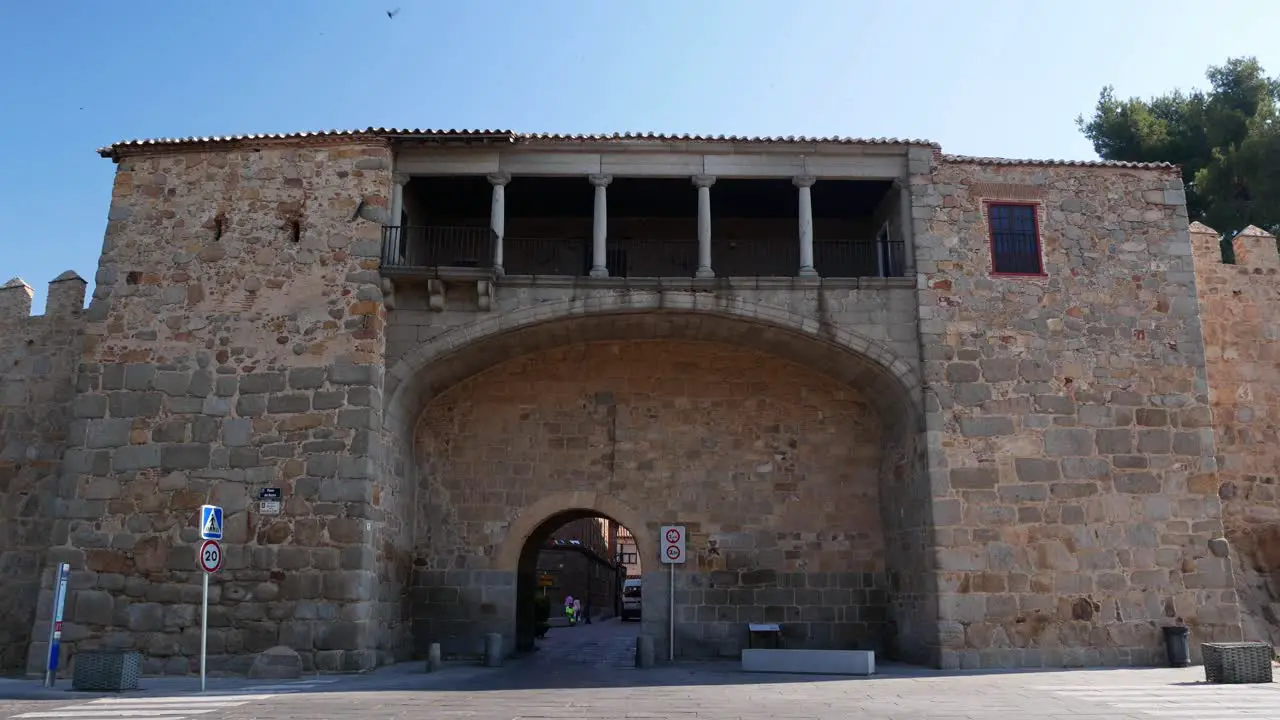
1237, 662
108, 670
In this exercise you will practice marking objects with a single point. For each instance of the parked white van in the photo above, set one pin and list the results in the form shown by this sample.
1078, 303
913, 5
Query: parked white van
631, 599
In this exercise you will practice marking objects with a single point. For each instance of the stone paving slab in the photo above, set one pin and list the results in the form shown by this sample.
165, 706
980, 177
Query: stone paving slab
581, 674
719, 691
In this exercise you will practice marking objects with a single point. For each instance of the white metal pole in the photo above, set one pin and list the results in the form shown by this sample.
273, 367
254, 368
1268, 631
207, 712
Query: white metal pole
204, 629
671, 640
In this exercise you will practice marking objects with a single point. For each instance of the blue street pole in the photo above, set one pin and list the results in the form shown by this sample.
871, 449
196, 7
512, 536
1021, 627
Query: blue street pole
55, 624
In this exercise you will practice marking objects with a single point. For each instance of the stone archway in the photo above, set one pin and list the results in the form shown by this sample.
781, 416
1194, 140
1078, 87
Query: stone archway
486, 576
518, 552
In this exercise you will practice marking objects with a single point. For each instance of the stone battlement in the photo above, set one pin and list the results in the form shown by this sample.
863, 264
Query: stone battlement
1253, 248
39, 355
65, 298
1239, 309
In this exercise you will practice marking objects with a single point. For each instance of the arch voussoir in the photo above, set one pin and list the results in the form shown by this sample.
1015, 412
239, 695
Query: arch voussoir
529, 519
408, 372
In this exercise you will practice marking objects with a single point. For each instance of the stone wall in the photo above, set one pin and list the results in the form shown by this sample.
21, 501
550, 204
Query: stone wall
1070, 434
773, 467
909, 511
234, 342
1239, 310
38, 359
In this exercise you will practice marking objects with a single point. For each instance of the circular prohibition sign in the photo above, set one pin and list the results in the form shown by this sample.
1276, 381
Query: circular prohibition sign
673, 552
210, 556
673, 535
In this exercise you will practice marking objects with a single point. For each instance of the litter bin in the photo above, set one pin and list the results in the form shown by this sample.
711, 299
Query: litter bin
1177, 645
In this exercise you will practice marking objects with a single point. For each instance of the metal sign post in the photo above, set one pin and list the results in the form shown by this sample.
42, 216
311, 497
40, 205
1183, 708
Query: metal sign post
204, 627
210, 560
672, 553
55, 624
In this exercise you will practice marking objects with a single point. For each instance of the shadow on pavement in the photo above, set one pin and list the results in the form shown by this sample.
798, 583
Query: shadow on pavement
600, 655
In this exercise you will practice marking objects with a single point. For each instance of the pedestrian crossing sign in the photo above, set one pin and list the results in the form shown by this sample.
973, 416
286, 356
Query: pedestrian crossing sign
210, 522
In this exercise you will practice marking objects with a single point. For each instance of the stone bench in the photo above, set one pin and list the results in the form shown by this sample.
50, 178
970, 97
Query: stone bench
1237, 662
809, 662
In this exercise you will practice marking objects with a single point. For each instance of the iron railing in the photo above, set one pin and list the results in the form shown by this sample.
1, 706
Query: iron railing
431, 248
774, 257
545, 256
859, 258
651, 258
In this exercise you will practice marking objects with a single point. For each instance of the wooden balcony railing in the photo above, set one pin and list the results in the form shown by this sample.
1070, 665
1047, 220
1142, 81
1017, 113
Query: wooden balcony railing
432, 248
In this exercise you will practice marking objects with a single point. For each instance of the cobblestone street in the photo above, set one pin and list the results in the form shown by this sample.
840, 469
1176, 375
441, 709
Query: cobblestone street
568, 651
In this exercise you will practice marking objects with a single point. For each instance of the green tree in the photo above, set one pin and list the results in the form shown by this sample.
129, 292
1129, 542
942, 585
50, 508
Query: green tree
1226, 140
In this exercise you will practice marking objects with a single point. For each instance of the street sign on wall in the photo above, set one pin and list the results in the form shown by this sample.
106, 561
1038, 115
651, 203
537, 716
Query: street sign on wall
671, 548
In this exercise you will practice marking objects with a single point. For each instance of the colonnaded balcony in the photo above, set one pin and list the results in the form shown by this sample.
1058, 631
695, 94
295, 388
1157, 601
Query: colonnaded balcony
644, 227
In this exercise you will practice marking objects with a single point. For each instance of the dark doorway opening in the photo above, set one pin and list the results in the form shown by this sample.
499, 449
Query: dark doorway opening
576, 555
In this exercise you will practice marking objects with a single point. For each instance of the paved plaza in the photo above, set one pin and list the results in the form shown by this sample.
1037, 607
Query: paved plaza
585, 672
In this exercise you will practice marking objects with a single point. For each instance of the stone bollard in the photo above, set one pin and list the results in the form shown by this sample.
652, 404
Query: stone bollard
277, 663
493, 649
433, 658
644, 651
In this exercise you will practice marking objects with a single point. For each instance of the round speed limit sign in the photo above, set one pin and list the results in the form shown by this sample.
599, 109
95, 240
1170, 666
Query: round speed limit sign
210, 556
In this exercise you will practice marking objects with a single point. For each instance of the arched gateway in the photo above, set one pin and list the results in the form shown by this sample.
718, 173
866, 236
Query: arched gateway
792, 451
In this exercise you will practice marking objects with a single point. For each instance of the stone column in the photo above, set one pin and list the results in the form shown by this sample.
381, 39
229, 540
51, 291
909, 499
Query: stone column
906, 233
498, 216
397, 236
704, 183
600, 228
803, 183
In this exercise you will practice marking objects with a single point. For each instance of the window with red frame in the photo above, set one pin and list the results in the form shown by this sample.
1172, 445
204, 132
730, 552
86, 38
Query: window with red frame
1015, 239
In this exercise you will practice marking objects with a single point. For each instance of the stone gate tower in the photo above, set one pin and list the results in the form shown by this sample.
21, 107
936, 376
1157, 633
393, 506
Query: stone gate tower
954, 409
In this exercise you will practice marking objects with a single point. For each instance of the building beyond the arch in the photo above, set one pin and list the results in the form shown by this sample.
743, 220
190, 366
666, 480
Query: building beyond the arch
969, 412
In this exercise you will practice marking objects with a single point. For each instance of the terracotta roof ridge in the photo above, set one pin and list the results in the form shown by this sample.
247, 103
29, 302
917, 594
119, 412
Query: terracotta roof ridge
980, 160
496, 134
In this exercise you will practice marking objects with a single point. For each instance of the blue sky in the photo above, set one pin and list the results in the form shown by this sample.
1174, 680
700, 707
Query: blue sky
982, 77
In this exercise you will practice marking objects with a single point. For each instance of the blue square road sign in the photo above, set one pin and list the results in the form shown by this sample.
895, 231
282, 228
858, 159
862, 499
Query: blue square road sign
210, 522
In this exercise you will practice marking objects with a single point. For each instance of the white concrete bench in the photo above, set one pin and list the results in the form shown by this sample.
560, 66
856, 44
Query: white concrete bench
809, 662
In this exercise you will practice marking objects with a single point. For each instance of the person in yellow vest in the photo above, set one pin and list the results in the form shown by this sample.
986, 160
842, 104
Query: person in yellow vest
569, 609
